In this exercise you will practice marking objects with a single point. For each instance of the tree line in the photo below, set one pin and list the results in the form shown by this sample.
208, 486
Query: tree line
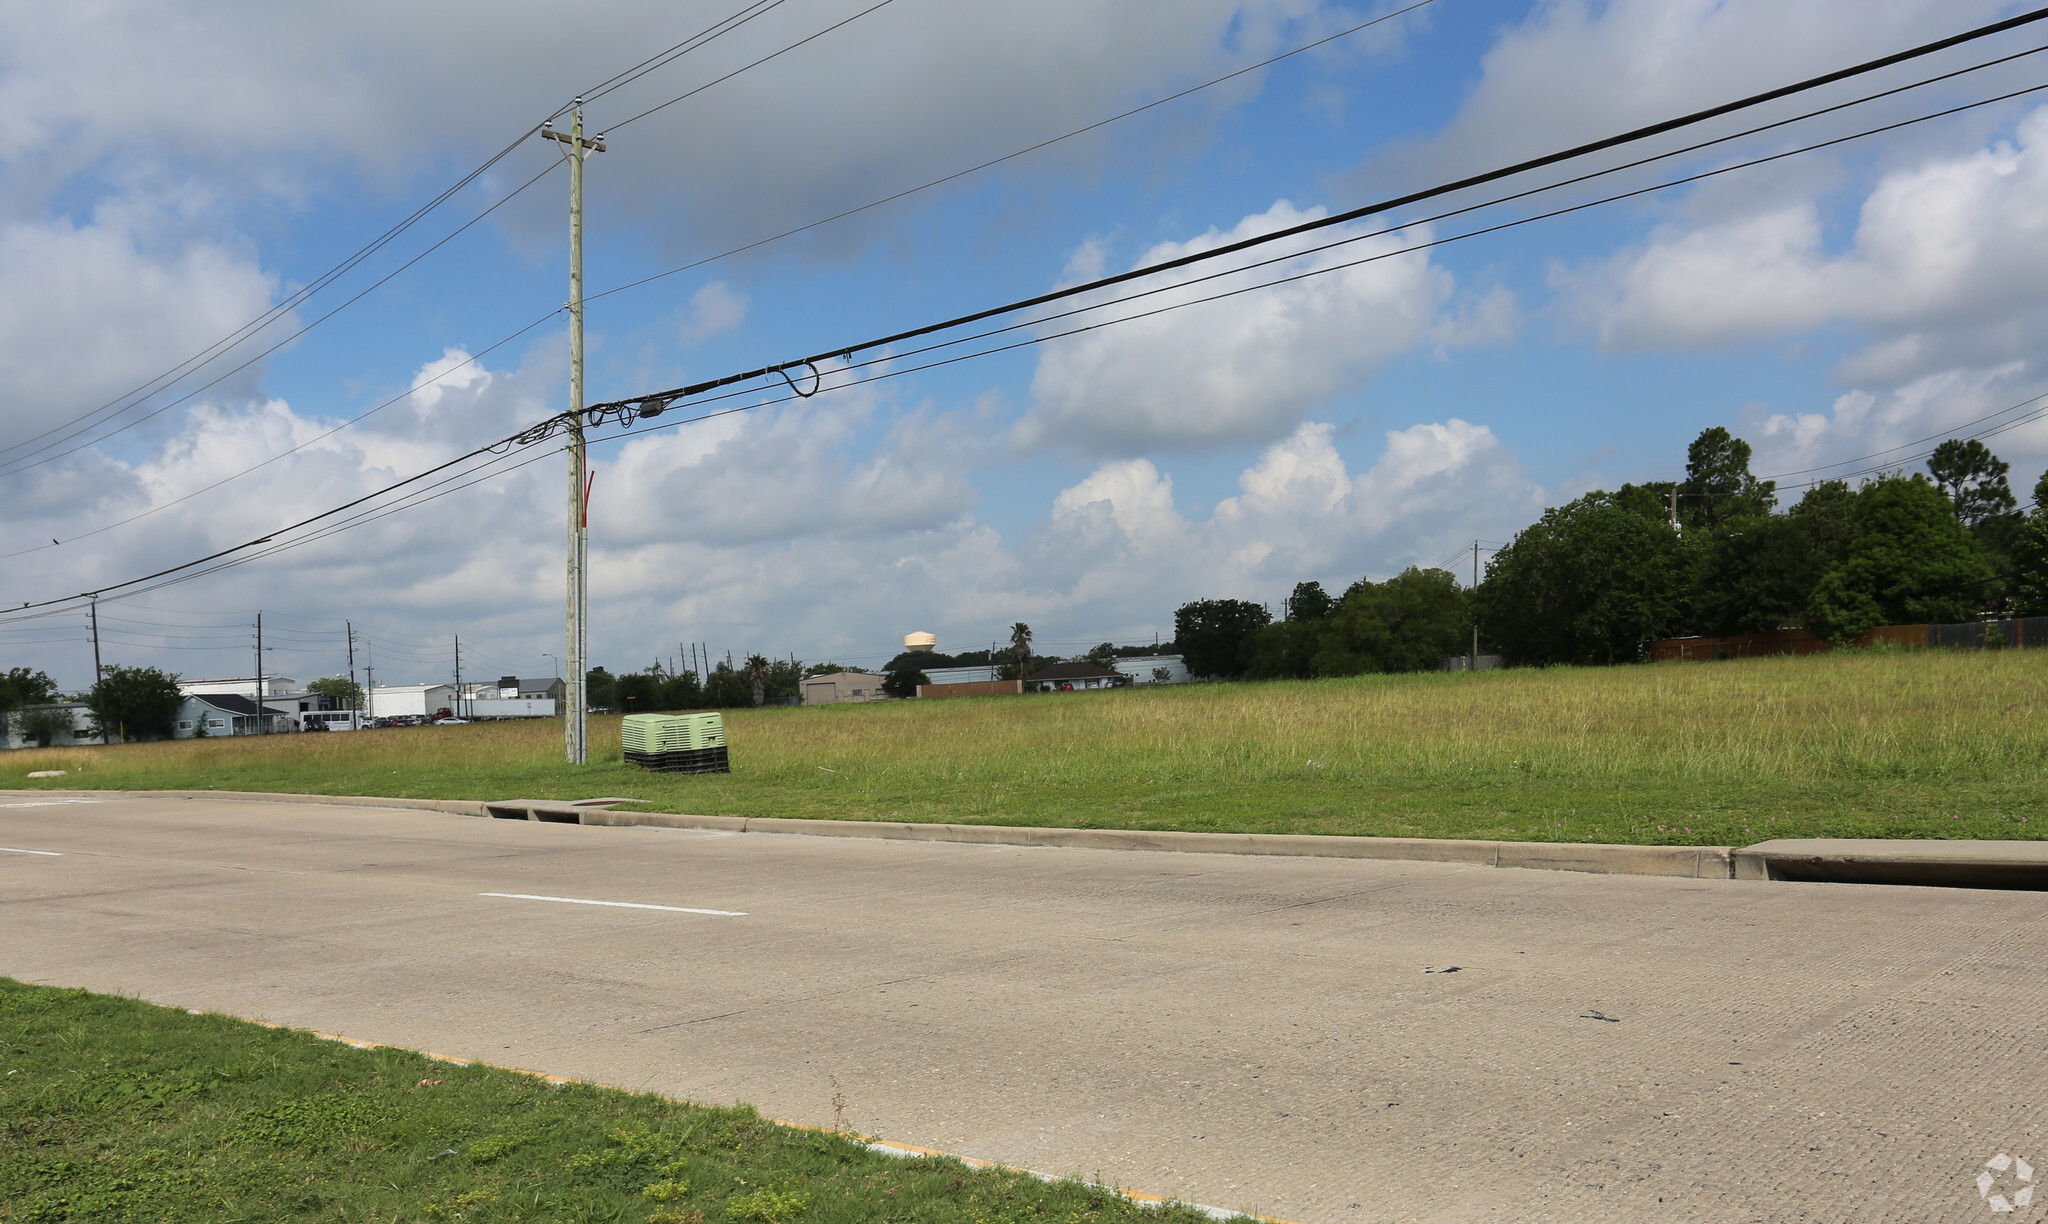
1595, 580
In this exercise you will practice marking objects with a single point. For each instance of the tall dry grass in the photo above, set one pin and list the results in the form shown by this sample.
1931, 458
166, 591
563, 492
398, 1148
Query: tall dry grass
1871, 742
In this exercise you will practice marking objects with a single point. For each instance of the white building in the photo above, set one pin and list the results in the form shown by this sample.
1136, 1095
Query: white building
840, 687
12, 734
1145, 669
410, 700
241, 686
230, 714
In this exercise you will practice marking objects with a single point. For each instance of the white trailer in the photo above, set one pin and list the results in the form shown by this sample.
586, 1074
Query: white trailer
506, 707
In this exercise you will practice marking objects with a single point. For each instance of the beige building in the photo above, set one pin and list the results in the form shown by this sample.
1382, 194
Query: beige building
843, 686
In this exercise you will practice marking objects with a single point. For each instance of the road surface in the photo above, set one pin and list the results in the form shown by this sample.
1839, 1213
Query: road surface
1316, 1039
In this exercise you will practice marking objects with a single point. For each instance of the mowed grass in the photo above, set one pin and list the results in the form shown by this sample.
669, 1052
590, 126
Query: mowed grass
1850, 744
116, 1110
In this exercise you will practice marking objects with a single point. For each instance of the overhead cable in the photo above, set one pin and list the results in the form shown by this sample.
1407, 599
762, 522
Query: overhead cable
1354, 214
997, 161
529, 436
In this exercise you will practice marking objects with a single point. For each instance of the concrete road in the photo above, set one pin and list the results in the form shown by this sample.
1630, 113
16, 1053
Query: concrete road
1316, 1039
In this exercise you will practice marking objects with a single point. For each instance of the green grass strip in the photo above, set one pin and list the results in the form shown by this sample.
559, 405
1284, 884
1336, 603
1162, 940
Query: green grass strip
1857, 743
117, 1110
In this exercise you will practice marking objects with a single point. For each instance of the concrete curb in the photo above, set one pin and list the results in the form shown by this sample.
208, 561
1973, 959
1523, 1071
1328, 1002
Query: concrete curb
1687, 862
458, 807
1683, 862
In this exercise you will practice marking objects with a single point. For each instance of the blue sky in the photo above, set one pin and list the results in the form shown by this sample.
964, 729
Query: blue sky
172, 175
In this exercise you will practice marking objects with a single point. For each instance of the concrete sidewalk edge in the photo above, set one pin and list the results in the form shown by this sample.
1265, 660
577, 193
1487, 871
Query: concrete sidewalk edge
1687, 862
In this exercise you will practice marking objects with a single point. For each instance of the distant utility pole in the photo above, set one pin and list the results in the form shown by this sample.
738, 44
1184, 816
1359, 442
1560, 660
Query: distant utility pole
370, 680
1674, 508
97, 670
352, 702
1475, 616
260, 719
458, 675
576, 723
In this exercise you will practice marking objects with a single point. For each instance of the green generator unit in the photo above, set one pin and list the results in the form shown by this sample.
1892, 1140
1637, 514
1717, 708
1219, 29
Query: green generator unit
676, 743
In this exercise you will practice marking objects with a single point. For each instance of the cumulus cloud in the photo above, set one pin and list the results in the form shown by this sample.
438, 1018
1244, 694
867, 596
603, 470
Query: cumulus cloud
258, 90
1299, 513
88, 311
1574, 70
1946, 264
1889, 427
1244, 369
715, 308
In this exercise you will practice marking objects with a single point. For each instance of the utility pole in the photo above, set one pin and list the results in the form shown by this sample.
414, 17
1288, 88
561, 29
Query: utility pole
458, 675
1475, 618
97, 670
576, 723
370, 681
260, 716
1674, 508
351, 664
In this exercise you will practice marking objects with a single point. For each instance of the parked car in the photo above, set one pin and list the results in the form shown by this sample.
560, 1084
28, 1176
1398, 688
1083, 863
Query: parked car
451, 721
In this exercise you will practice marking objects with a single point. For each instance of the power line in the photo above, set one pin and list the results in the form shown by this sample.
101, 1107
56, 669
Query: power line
1041, 320
408, 393
663, 58
845, 352
206, 355
599, 91
997, 161
748, 67
218, 348
10, 467
531, 435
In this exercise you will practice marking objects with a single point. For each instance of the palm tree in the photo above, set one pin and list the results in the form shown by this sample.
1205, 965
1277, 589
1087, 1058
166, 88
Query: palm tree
757, 672
1020, 643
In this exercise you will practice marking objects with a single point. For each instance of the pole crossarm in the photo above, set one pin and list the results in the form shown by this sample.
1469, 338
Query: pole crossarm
574, 141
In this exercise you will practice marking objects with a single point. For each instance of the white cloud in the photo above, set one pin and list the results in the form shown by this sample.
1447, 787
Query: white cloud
1575, 70
1300, 514
715, 308
255, 91
1893, 425
1244, 369
87, 312
1947, 264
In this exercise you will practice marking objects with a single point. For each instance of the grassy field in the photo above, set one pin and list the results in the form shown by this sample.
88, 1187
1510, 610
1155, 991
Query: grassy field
114, 1110
1855, 743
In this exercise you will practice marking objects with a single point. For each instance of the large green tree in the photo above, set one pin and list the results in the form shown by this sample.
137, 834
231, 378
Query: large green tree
600, 689
1718, 486
1973, 479
1589, 582
1284, 650
1410, 622
132, 703
1310, 602
22, 686
341, 688
1909, 560
2027, 584
1214, 634
1755, 574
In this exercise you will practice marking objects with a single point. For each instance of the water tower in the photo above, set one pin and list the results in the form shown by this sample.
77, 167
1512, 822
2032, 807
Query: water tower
919, 642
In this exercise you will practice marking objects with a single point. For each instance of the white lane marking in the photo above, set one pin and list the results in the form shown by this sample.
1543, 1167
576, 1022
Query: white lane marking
673, 909
12, 850
50, 803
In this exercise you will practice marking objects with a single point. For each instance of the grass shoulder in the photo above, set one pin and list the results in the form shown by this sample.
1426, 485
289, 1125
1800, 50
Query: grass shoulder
113, 1109
1852, 744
